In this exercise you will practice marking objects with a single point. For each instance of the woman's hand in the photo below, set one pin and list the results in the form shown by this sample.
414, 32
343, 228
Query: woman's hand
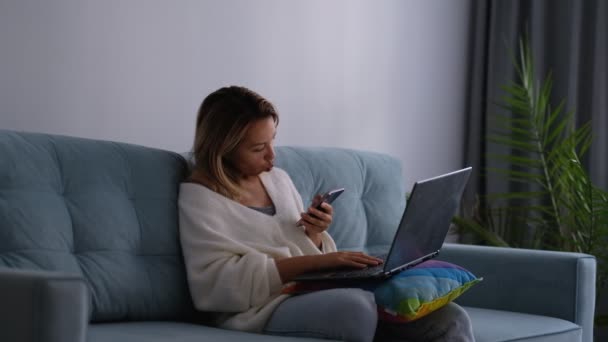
317, 221
346, 259
291, 267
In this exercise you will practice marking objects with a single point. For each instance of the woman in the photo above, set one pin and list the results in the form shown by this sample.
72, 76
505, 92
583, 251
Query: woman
244, 234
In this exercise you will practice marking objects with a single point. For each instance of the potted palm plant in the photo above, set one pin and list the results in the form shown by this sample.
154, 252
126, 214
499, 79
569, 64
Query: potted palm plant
555, 206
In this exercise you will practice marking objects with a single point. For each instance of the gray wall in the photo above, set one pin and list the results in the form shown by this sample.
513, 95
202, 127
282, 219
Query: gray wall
385, 76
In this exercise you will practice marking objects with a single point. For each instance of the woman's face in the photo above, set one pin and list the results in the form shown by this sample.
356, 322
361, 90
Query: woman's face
255, 154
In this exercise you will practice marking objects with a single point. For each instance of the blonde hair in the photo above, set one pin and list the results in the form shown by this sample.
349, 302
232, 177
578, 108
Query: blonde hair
222, 122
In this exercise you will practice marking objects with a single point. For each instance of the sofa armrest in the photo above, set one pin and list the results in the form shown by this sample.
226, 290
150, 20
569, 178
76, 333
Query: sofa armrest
549, 283
43, 306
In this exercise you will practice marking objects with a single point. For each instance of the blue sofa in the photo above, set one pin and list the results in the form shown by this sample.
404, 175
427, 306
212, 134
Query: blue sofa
89, 246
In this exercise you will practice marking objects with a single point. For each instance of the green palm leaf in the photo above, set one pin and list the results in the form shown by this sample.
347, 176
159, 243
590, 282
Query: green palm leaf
556, 205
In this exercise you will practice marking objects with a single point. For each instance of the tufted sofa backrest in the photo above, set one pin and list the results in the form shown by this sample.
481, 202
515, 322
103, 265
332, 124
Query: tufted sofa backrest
108, 211
367, 214
103, 210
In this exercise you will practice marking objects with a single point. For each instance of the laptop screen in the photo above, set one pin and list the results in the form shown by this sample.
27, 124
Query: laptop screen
426, 219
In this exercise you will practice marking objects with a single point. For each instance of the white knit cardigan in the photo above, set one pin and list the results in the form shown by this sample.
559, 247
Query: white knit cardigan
230, 250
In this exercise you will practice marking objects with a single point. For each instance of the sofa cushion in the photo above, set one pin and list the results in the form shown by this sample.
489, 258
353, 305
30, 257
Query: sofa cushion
368, 212
502, 326
176, 332
103, 210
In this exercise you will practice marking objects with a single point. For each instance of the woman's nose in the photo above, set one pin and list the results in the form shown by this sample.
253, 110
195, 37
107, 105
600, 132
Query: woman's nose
270, 154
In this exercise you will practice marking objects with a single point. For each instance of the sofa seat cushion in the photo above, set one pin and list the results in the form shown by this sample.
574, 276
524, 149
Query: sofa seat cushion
501, 326
175, 332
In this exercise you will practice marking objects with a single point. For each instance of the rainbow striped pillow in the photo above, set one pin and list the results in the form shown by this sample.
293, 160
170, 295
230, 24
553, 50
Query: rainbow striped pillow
417, 292
409, 295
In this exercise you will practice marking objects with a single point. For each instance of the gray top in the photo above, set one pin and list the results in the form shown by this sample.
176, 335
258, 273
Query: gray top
271, 210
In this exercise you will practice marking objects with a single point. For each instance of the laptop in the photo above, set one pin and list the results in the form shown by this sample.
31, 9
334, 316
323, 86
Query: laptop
424, 225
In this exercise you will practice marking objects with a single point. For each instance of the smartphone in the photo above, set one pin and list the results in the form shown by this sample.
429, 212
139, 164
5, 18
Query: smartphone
329, 197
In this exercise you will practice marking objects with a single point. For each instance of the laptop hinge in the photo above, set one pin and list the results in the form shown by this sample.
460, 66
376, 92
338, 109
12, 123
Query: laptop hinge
413, 263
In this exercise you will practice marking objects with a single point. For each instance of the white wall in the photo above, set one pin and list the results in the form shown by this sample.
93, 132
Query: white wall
385, 76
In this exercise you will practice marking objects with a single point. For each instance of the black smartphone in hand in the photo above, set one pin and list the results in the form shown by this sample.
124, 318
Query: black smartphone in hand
329, 197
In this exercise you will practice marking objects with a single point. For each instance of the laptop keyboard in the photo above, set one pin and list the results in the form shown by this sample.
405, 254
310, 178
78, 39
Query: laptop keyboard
364, 272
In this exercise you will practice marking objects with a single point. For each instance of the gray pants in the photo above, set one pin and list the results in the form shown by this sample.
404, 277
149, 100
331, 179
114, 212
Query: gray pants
350, 315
